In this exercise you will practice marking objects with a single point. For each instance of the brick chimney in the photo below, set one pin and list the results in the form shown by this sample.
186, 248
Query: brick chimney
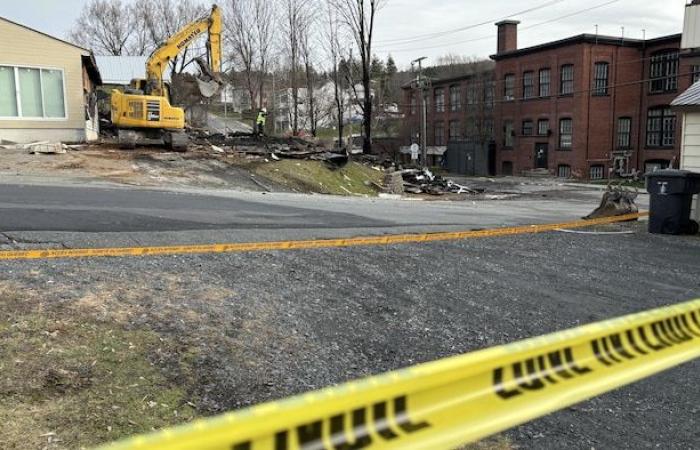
507, 36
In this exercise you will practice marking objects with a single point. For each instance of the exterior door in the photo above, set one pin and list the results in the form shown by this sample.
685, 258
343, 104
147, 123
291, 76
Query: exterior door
541, 156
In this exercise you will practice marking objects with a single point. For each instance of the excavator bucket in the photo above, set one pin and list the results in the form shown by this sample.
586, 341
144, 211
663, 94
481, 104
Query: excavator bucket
210, 83
617, 201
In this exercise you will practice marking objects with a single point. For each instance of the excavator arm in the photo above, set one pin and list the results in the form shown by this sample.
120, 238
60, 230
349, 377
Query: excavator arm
161, 57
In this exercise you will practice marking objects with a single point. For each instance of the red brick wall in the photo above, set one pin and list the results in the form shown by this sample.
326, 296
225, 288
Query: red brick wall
594, 117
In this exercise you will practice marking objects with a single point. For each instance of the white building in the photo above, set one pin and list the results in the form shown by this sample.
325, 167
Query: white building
688, 103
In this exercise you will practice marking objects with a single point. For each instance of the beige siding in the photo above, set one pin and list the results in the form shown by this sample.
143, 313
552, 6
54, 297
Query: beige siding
690, 149
690, 154
21, 46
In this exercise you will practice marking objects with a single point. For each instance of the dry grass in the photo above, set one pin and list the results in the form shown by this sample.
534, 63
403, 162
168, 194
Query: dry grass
73, 382
494, 443
314, 176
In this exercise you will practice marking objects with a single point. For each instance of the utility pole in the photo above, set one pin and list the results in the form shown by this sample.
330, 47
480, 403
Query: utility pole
423, 84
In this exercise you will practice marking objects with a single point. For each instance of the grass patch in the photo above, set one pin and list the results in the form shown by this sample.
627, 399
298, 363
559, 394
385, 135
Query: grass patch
494, 443
316, 177
75, 382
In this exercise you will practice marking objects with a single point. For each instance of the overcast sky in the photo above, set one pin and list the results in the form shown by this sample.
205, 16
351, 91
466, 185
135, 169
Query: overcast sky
414, 19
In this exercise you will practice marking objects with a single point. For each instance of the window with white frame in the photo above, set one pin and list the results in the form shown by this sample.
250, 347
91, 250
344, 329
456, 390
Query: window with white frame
31, 93
597, 172
528, 84
440, 100
566, 134
545, 82
564, 171
508, 140
566, 80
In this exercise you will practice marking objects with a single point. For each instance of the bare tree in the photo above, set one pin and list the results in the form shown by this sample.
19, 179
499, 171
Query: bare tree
295, 19
105, 26
307, 40
334, 50
140, 42
240, 38
164, 18
359, 16
265, 39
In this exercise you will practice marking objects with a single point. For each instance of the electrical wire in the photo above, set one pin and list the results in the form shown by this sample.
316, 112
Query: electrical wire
492, 36
429, 36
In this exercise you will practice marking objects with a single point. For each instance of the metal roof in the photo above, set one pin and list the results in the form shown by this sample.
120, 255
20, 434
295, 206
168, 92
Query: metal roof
121, 70
691, 97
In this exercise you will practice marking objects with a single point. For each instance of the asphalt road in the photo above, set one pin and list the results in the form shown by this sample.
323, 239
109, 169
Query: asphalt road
72, 215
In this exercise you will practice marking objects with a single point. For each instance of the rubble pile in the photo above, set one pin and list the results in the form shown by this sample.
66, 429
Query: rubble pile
423, 181
268, 147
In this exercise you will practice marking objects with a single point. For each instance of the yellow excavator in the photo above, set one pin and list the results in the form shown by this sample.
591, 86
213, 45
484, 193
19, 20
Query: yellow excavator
143, 112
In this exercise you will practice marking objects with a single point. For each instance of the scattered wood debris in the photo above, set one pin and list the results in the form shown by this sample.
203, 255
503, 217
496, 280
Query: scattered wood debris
423, 181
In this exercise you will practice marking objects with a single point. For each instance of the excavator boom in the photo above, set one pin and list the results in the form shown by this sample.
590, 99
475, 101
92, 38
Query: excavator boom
161, 57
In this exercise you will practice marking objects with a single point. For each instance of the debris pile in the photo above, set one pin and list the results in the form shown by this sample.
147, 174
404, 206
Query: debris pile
43, 147
267, 147
423, 181
617, 201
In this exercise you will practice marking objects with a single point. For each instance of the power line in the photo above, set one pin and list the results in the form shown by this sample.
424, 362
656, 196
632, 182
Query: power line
491, 36
429, 36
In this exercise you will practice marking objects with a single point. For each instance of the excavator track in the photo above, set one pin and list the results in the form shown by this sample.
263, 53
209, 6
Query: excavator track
176, 141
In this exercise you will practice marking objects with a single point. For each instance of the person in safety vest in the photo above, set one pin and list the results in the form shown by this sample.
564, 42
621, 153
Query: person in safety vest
260, 122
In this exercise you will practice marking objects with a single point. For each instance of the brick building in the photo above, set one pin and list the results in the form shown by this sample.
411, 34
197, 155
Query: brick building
587, 105
459, 109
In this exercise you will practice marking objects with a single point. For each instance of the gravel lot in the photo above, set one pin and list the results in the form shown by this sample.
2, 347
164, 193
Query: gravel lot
241, 329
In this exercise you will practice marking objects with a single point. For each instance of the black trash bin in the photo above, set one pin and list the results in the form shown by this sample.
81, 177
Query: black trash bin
671, 194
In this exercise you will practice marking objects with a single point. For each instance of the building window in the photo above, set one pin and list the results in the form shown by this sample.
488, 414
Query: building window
566, 134
31, 93
439, 100
528, 127
414, 105
597, 172
508, 134
455, 130
543, 127
661, 127
455, 98
567, 80
528, 85
507, 168
600, 78
489, 90
696, 74
564, 171
439, 134
664, 71
472, 96
487, 128
545, 82
656, 164
624, 133
509, 87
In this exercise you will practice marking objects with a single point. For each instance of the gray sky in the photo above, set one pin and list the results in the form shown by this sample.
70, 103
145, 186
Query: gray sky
405, 19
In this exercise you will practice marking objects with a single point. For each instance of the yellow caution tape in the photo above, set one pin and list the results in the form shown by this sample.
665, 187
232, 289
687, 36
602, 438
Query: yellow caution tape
456, 400
308, 244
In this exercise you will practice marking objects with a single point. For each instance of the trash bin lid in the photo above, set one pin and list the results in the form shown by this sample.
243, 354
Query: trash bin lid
674, 173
